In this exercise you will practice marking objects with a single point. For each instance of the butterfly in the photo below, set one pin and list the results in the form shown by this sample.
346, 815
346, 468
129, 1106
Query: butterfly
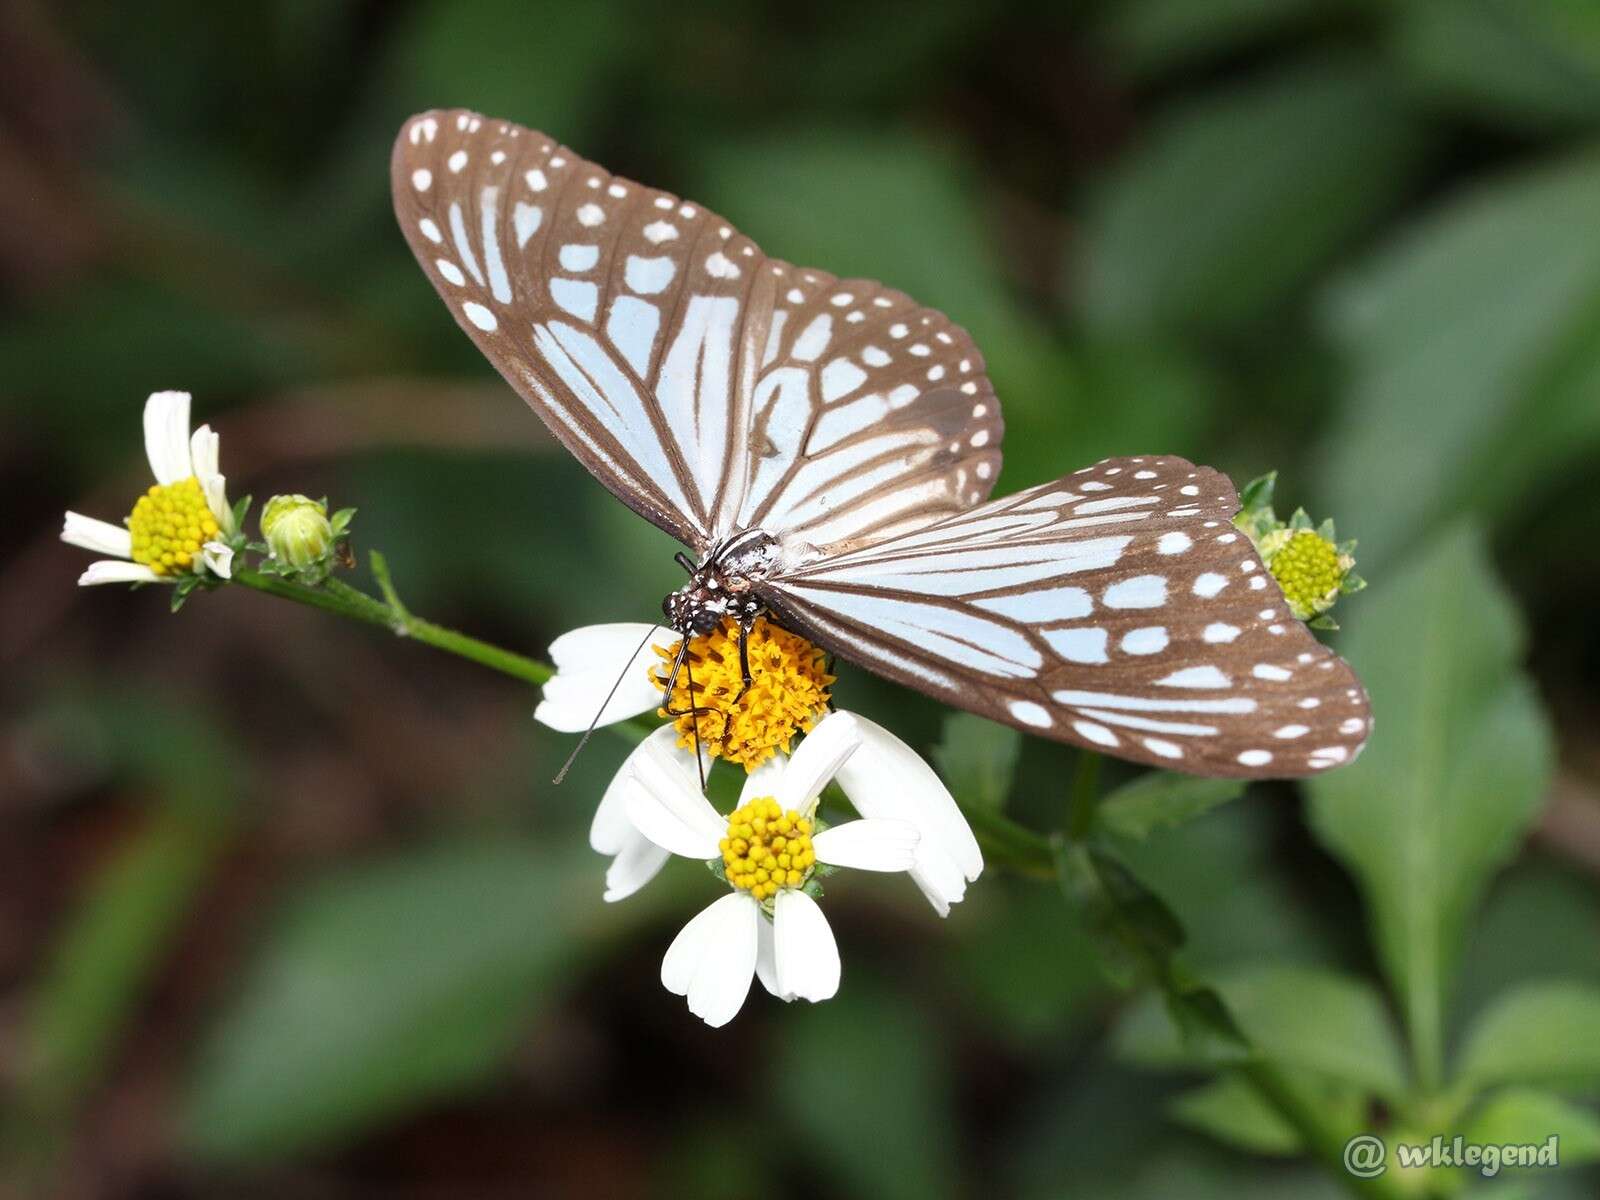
826, 448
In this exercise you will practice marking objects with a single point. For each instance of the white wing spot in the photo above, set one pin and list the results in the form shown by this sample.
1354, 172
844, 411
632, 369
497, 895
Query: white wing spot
591, 215
576, 296
457, 161
659, 231
874, 357
422, 179
1291, 731
593, 181
720, 266
1094, 485
983, 470
648, 276
1144, 474
1175, 542
1209, 584
1149, 640
794, 296
535, 179
1098, 734
842, 299
1258, 582
686, 211
920, 350
1030, 713
1270, 672
839, 378
969, 388
1083, 645
663, 202
558, 161
498, 157
1162, 747
480, 316
1189, 489
575, 256
1311, 702
525, 220
1255, 758
979, 439
1248, 565
935, 374
450, 271
617, 190
430, 230
898, 330
1220, 631
1352, 725
1141, 591
1196, 677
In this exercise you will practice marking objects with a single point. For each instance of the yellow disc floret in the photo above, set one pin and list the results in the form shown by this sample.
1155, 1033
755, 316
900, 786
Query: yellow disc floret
1309, 570
169, 524
767, 848
788, 692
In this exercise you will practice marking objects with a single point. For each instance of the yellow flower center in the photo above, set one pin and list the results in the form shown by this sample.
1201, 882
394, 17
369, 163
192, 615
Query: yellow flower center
169, 524
788, 691
1307, 567
767, 848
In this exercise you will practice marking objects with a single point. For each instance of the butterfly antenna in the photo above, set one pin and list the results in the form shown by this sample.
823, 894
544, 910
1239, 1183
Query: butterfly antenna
694, 722
584, 740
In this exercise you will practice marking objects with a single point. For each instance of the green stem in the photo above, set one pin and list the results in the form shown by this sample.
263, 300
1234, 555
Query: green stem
1085, 794
343, 600
1325, 1142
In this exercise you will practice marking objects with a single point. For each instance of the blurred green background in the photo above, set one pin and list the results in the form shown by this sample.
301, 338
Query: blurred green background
291, 910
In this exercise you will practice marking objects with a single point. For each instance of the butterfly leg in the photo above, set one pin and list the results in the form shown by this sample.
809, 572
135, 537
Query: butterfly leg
746, 624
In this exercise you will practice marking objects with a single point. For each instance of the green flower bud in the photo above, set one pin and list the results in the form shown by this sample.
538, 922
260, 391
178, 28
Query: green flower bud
1309, 562
297, 531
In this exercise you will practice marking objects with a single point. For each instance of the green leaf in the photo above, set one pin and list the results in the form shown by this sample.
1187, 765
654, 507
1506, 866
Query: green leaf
1231, 204
1161, 799
1131, 926
1544, 1032
381, 987
1233, 1112
1529, 1117
1304, 1018
977, 759
1472, 345
1452, 778
1151, 37
1526, 65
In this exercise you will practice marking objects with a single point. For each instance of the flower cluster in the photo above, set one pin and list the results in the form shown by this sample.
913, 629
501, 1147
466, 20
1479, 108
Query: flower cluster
1309, 562
774, 848
181, 531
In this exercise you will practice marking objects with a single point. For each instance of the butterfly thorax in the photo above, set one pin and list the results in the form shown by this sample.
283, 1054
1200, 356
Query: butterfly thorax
723, 585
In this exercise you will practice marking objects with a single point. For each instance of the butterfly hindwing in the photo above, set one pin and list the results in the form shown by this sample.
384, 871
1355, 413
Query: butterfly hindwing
1117, 608
710, 387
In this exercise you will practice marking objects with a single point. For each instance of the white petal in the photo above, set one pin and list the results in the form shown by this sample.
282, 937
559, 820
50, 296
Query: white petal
215, 486
116, 571
683, 956
763, 781
218, 558
635, 865
886, 778
767, 960
203, 453
611, 829
712, 959
821, 753
669, 809
875, 844
166, 436
98, 537
589, 662
807, 956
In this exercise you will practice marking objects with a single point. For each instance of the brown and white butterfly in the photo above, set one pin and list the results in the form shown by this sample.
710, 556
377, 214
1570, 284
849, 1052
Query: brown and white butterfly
826, 448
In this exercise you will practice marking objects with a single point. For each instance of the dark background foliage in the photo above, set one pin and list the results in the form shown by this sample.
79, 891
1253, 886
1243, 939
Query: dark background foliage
289, 909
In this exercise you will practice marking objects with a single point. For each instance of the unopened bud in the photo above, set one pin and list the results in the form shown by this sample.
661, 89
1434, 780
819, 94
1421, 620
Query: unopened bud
297, 531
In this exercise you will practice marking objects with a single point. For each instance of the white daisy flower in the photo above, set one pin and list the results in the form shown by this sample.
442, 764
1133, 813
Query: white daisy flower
179, 525
769, 926
883, 778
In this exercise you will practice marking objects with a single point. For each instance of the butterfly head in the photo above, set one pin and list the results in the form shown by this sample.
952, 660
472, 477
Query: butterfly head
723, 585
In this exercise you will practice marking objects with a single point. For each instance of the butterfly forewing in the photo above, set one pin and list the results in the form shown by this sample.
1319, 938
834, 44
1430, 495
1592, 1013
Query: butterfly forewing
1117, 608
711, 388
